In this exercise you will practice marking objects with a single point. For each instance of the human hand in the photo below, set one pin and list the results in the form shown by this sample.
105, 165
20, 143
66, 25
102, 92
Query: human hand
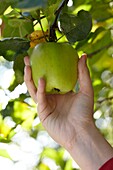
63, 116
68, 118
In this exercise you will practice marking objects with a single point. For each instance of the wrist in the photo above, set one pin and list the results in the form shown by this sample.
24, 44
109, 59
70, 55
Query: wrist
90, 150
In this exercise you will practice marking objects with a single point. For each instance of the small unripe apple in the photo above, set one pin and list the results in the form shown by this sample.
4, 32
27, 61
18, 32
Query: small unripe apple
57, 63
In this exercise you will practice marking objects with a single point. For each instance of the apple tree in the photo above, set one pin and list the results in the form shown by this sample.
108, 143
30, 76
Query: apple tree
88, 26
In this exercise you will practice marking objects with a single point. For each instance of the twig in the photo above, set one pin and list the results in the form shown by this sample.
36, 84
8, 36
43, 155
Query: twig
42, 30
38, 20
105, 99
52, 36
63, 3
99, 50
60, 37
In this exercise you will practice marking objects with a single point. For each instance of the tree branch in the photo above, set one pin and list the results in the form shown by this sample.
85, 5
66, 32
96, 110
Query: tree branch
52, 36
99, 50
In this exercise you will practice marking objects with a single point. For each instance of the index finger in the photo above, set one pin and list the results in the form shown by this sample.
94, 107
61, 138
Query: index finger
28, 79
27, 61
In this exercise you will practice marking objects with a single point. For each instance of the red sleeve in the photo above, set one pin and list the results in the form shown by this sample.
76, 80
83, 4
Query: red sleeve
108, 165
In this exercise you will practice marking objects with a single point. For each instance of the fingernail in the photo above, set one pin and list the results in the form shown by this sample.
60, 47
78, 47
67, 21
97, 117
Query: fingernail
26, 60
84, 56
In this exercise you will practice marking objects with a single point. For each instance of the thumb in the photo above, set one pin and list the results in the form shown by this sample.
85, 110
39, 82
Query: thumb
84, 77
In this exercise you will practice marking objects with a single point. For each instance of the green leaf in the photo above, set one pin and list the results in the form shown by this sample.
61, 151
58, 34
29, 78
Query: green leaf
68, 165
102, 12
50, 10
100, 40
78, 3
28, 4
19, 68
76, 28
22, 114
10, 47
8, 110
51, 153
16, 27
56, 155
43, 166
4, 153
14, 50
4, 4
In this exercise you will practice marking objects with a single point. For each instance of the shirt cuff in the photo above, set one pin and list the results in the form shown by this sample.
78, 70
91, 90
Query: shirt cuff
108, 165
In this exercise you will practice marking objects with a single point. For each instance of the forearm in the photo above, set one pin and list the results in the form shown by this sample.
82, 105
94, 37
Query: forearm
91, 150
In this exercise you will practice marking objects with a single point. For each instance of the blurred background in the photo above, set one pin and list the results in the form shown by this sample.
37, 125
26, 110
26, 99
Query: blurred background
24, 144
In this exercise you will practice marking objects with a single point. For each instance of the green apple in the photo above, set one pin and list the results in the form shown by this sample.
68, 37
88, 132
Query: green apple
57, 63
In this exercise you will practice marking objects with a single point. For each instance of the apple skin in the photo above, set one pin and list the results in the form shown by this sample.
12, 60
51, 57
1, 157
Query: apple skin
57, 63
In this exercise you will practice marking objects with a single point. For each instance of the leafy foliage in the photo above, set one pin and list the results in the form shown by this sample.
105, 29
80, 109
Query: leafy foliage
4, 5
88, 26
29, 4
11, 47
76, 28
4, 153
